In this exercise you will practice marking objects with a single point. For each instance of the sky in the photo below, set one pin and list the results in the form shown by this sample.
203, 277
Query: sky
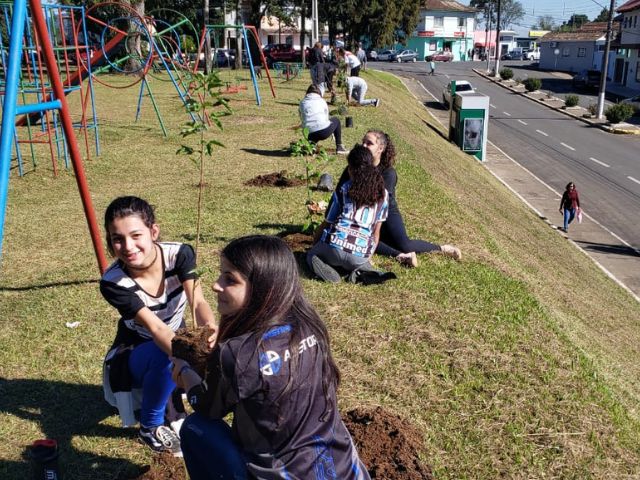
560, 10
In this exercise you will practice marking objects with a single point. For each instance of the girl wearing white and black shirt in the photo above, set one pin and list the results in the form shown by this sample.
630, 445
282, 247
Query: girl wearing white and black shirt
150, 284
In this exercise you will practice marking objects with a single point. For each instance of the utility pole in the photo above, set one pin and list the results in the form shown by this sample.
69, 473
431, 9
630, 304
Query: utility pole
207, 39
498, 42
487, 39
605, 61
315, 34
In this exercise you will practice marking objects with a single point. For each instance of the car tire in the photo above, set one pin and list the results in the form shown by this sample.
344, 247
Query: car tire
414, 60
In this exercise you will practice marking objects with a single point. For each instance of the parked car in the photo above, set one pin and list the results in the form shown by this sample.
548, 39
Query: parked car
225, 57
587, 79
634, 102
533, 54
461, 86
514, 55
404, 56
372, 55
441, 56
280, 52
384, 55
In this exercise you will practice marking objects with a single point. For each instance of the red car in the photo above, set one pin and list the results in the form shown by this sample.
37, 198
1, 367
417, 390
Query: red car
281, 52
440, 56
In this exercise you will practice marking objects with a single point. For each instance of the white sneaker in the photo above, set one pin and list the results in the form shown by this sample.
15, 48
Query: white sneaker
451, 251
161, 439
408, 259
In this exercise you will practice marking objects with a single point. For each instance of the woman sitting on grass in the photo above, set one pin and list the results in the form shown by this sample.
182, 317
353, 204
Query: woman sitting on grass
150, 284
272, 368
394, 241
349, 234
314, 113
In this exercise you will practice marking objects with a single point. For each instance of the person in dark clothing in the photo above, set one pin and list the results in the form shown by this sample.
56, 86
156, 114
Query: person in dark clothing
272, 368
394, 241
316, 64
569, 205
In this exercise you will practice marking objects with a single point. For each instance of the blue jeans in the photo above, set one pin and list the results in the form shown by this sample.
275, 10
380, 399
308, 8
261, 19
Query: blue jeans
151, 371
569, 215
209, 450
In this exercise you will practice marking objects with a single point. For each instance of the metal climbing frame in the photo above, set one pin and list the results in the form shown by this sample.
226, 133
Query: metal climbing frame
57, 102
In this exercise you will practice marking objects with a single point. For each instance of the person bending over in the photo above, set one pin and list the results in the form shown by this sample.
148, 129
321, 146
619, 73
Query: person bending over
314, 113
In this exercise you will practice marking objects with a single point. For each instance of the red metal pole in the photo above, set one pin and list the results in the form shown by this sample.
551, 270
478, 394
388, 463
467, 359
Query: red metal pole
67, 126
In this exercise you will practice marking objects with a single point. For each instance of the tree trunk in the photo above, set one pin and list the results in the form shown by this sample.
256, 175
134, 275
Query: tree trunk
303, 16
134, 64
207, 39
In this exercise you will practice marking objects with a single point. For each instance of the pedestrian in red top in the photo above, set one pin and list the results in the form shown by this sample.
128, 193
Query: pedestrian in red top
569, 205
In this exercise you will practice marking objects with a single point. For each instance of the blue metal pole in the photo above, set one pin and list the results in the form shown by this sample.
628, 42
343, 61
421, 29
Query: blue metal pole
253, 73
9, 106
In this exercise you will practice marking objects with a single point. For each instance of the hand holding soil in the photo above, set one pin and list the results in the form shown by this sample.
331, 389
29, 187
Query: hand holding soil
194, 346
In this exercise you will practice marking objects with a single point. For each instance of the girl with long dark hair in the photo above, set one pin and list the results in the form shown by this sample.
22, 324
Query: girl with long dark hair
272, 368
349, 234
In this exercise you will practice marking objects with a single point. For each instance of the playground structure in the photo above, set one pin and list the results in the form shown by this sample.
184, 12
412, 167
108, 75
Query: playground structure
56, 101
244, 30
67, 34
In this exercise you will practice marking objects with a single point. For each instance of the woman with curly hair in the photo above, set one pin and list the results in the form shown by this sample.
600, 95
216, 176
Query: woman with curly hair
349, 234
394, 241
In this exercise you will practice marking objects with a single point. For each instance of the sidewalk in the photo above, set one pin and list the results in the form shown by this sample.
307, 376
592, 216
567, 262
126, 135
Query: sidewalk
617, 259
555, 103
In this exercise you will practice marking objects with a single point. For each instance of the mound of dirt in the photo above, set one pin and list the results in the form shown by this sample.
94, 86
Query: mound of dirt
387, 445
298, 242
275, 179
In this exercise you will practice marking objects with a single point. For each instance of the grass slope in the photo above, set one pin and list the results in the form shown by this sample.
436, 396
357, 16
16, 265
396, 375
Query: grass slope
518, 362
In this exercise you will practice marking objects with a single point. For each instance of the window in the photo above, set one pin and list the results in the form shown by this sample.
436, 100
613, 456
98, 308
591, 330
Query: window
637, 71
432, 47
624, 23
566, 51
438, 21
582, 52
460, 22
635, 21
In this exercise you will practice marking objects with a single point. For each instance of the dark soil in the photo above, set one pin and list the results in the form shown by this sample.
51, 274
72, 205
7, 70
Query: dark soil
165, 467
298, 242
191, 345
275, 179
387, 445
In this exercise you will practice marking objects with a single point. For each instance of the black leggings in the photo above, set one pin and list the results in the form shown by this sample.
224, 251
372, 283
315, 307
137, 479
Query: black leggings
394, 239
332, 129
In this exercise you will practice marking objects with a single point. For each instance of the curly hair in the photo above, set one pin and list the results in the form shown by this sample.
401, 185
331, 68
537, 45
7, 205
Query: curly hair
367, 184
388, 157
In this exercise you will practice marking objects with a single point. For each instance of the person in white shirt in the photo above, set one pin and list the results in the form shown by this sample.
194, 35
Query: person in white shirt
351, 61
314, 113
356, 89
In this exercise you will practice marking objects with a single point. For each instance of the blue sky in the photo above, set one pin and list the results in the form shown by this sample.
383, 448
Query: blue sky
558, 9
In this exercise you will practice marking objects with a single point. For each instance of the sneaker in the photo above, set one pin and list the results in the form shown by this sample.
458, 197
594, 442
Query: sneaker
161, 439
341, 150
324, 271
377, 102
408, 259
451, 251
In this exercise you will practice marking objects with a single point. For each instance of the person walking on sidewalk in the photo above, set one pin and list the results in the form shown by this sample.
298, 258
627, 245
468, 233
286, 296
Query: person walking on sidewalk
432, 66
569, 205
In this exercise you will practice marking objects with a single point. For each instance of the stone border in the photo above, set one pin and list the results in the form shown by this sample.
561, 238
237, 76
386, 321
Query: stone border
568, 112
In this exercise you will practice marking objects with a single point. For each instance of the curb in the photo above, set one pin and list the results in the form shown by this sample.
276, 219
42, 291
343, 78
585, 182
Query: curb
606, 128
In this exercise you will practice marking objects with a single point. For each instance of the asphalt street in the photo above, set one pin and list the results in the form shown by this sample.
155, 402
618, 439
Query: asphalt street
556, 149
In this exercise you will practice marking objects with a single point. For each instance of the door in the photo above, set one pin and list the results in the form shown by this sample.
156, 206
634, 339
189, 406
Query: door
617, 73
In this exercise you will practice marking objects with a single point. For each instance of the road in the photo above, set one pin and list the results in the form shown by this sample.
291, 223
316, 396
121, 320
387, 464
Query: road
554, 147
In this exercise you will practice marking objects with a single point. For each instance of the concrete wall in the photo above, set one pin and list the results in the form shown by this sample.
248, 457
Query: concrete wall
568, 60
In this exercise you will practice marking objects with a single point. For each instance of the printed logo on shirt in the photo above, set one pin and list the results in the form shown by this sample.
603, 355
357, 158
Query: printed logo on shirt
270, 363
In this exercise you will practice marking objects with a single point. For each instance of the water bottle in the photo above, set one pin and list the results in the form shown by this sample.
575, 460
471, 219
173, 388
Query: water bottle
44, 460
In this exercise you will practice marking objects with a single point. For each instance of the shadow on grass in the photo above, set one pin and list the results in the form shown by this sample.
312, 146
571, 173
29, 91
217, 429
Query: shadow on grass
293, 104
64, 412
268, 153
436, 130
606, 248
26, 288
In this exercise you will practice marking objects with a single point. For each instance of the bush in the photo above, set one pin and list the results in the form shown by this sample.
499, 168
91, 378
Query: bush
571, 100
593, 109
619, 112
506, 74
532, 84
518, 81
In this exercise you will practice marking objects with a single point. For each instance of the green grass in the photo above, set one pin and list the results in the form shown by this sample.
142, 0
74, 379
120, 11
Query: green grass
518, 362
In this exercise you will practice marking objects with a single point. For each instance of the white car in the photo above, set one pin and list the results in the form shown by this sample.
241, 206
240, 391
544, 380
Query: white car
533, 54
461, 86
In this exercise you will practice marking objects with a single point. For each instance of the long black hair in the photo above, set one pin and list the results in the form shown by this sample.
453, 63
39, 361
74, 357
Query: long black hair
388, 157
276, 298
367, 184
122, 207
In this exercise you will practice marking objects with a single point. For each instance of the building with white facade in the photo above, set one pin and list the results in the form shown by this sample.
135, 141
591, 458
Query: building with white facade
626, 69
444, 25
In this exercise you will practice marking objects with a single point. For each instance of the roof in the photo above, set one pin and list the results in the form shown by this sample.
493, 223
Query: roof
447, 6
588, 32
630, 5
